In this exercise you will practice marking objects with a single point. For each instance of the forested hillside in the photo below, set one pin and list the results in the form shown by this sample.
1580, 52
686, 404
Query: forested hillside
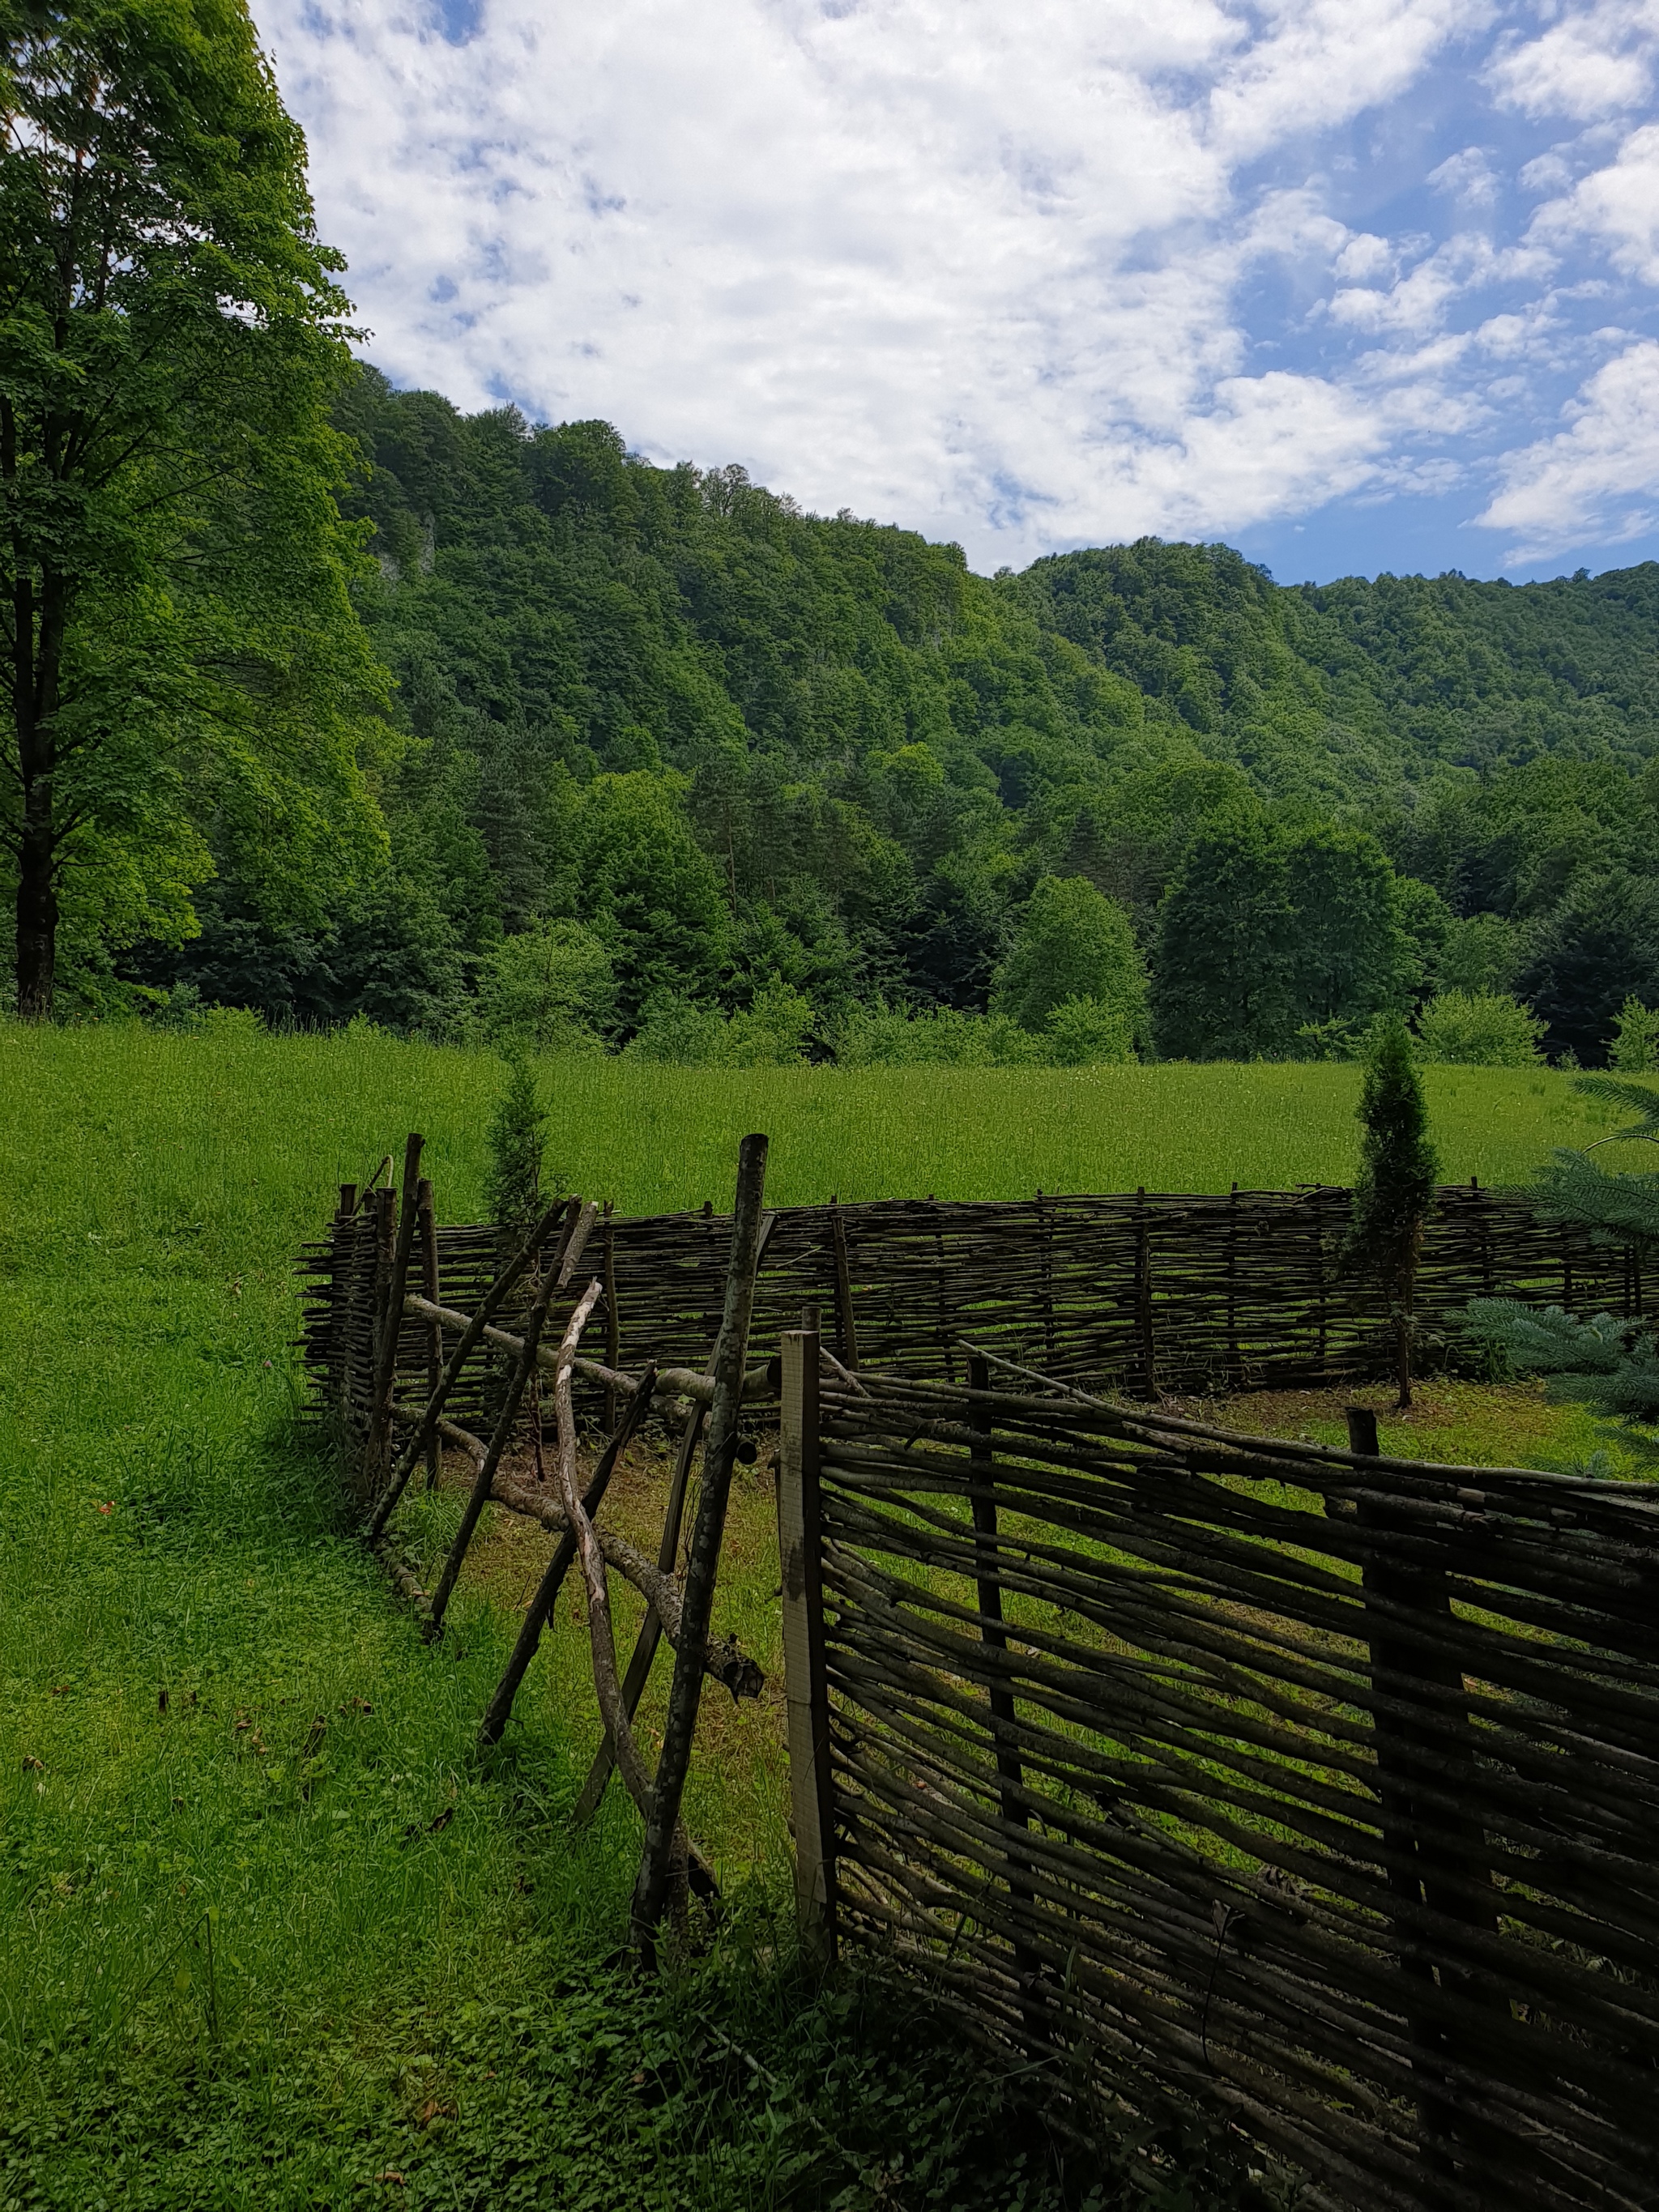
684, 751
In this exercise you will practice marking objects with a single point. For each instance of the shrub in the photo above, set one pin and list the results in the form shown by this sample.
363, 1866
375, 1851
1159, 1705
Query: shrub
551, 989
1479, 1029
1633, 1049
771, 1032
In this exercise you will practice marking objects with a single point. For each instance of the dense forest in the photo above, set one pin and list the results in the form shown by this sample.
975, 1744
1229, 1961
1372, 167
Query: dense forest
667, 752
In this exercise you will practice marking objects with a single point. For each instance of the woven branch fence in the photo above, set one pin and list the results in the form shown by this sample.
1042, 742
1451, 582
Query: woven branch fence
1139, 1296
1319, 1790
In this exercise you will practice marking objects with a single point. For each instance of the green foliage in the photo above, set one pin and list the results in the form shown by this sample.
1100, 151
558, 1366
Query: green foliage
1610, 1365
771, 1032
1464, 1029
1398, 1167
1072, 948
1273, 929
1480, 956
517, 1139
551, 987
187, 684
1634, 1048
1607, 1364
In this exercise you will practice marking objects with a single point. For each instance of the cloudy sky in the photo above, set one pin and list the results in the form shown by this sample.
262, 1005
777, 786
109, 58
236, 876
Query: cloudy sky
1354, 284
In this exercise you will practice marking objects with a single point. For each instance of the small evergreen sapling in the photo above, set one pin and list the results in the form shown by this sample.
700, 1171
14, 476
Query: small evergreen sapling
1398, 1171
517, 1143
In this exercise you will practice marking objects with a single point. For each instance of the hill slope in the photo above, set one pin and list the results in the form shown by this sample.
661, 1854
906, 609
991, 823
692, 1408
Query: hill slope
751, 744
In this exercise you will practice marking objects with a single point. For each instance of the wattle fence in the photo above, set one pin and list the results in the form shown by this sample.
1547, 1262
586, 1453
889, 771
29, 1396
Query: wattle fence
1316, 1791
1144, 1296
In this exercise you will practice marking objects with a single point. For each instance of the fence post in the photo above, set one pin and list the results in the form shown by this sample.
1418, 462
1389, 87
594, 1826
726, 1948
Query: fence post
983, 1497
806, 1694
1433, 1870
1144, 1297
846, 1325
704, 1556
612, 1323
434, 1335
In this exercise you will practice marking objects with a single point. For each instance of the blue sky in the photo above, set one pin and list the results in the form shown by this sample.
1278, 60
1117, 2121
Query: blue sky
1353, 285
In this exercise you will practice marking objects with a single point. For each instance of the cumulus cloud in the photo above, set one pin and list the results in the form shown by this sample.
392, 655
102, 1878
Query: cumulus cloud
1597, 480
1617, 206
1023, 277
1597, 60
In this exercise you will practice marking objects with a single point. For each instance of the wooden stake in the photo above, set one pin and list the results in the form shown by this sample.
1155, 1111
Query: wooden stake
650, 1635
467, 1343
391, 1320
500, 1709
812, 1799
702, 1565
523, 1367
434, 1335
848, 1326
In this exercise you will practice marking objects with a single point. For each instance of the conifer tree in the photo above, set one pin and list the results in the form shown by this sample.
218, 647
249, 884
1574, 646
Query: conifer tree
1607, 1362
1398, 1171
518, 1143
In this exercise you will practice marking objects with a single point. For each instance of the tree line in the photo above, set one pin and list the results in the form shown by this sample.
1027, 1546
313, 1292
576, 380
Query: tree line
328, 700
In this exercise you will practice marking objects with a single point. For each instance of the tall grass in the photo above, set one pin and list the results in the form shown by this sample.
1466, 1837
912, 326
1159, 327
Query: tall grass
215, 1722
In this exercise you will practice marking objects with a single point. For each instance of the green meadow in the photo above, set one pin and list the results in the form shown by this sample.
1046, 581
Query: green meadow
271, 1933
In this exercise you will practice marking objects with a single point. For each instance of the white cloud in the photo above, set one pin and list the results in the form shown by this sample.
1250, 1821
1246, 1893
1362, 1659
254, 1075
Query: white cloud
1597, 480
1467, 176
1597, 60
1618, 205
997, 274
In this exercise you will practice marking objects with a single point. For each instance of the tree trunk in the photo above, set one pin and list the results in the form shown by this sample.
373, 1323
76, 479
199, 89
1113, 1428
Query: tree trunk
37, 913
38, 632
1402, 1328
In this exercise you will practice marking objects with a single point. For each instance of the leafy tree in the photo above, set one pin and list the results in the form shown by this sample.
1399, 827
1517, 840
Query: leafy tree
185, 678
1396, 1185
1482, 955
1222, 976
549, 987
1072, 947
1488, 1030
1089, 1033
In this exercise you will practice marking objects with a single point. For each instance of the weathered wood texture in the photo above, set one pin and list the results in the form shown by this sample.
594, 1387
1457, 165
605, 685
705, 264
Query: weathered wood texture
1139, 1295
1320, 1791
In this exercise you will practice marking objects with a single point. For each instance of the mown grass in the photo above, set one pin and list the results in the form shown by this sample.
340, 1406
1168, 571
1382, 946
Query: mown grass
215, 1722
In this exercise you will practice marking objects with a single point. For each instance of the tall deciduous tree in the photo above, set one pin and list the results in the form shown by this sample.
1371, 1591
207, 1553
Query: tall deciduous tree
1226, 939
1395, 1188
184, 674
1072, 943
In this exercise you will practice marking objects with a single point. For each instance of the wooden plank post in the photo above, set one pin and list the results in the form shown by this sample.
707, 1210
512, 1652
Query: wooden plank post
612, 1322
806, 1695
702, 1561
1439, 1869
983, 1498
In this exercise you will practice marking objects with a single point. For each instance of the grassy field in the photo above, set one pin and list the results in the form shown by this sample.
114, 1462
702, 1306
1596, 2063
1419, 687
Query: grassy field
269, 1934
